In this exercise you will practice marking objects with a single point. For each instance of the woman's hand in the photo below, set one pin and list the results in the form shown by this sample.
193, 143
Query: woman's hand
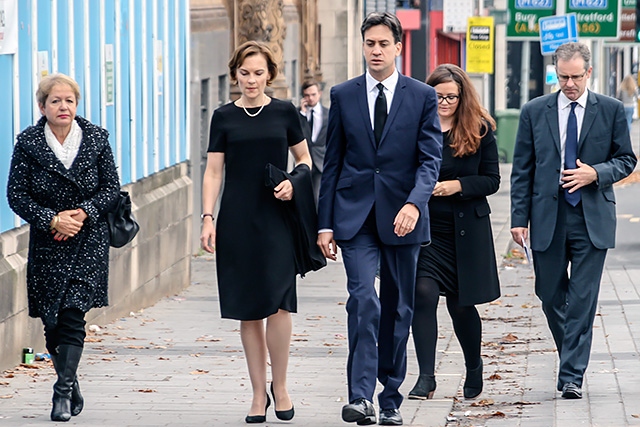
284, 191
447, 188
67, 224
208, 235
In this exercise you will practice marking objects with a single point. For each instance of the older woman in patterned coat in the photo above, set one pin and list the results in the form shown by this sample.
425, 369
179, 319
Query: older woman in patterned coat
62, 181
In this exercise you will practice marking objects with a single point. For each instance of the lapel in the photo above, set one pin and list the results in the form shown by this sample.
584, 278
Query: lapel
363, 106
552, 121
590, 114
398, 97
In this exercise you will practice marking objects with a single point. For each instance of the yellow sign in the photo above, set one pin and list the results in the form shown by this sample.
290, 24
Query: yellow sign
480, 40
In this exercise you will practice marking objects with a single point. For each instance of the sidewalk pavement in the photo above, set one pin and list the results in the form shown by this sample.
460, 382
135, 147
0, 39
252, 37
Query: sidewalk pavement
178, 363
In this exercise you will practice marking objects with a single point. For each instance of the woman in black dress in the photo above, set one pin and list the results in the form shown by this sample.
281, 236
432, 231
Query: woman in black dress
254, 247
62, 181
460, 261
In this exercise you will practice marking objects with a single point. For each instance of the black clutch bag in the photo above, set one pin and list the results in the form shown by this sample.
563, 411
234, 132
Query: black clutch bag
122, 225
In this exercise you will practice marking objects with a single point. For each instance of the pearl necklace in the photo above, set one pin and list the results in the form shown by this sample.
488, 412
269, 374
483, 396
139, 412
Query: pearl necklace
259, 111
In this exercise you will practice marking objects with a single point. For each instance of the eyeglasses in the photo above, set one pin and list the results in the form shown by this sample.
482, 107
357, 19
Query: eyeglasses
576, 79
450, 99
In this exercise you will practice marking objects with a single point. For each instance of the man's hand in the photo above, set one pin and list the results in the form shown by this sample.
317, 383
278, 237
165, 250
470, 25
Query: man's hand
406, 219
580, 177
519, 234
327, 245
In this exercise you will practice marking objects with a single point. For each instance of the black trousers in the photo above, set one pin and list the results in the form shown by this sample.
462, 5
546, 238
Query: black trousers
69, 330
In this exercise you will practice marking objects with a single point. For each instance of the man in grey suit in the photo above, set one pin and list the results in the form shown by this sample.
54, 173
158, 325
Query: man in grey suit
571, 147
314, 125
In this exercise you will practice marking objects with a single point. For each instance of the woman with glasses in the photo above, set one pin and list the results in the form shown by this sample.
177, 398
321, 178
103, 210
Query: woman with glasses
460, 261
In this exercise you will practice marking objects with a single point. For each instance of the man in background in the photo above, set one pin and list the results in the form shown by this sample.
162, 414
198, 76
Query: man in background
314, 125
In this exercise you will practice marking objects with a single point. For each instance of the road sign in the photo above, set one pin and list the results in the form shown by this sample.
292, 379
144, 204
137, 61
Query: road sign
524, 15
596, 18
557, 30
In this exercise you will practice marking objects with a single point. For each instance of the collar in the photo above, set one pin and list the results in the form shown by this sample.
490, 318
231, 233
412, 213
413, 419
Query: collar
389, 83
564, 102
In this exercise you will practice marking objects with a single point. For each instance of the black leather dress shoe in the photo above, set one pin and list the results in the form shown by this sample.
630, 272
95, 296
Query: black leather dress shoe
359, 411
390, 417
571, 391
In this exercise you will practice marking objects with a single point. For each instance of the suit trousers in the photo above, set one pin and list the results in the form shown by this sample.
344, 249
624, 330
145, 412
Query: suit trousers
569, 301
378, 325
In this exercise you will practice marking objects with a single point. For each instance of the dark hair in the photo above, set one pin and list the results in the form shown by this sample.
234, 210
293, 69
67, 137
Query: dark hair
471, 121
248, 49
568, 51
383, 18
308, 83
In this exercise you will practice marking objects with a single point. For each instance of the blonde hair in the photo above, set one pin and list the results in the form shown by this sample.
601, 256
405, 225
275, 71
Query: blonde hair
248, 49
48, 82
629, 85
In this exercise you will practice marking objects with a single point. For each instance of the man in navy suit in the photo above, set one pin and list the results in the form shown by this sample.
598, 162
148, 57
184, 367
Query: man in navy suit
571, 147
384, 148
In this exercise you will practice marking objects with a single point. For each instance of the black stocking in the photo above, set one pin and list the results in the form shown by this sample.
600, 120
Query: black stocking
425, 324
468, 328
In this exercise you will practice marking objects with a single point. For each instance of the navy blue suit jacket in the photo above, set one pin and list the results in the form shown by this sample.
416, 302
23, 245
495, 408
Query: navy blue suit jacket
403, 169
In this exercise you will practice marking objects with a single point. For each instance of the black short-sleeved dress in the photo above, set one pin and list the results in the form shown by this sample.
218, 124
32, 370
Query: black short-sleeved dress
254, 247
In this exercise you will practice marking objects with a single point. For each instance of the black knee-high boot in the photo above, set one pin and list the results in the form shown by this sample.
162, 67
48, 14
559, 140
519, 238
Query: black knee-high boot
67, 362
77, 401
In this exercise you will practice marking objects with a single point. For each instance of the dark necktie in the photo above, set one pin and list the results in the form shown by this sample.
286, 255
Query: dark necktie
379, 113
311, 122
571, 152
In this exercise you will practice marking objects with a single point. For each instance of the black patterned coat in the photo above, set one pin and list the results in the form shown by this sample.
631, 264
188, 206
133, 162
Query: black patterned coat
72, 273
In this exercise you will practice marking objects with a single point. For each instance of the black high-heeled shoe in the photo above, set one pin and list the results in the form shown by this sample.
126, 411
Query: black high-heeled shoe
425, 387
282, 415
257, 419
473, 382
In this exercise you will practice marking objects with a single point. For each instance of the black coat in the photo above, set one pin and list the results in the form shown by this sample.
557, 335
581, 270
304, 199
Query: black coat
72, 273
479, 176
301, 216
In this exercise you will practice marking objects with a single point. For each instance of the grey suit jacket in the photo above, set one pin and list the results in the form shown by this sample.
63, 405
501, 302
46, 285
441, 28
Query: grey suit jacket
604, 144
317, 148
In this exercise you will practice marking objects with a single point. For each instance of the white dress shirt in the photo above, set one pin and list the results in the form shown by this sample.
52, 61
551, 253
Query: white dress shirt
564, 108
317, 121
372, 91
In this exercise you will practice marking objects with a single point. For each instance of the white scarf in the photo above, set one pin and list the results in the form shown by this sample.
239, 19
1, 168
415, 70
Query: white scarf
68, 150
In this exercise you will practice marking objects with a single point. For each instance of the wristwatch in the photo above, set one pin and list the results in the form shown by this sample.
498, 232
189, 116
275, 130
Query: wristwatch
204, 215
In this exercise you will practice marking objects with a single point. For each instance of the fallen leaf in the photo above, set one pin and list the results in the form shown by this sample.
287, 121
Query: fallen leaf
329, 344
127, 338
135, 347
495, 377
146, 390
199, 372
163, 358
510, 338
483, 403
498, 414
4, 383
300, 340
635, 415
497, 302
208, 338
523, 402
527, 305
92, 339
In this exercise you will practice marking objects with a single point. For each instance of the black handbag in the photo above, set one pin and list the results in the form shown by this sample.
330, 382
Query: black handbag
122, 225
